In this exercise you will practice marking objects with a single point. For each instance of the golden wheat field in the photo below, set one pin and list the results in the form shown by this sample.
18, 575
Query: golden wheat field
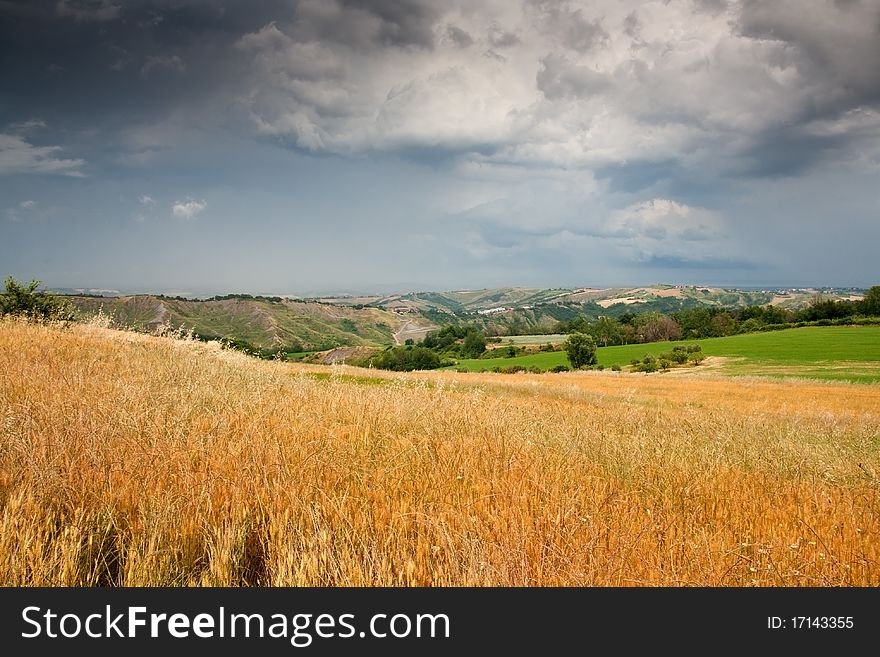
127, 459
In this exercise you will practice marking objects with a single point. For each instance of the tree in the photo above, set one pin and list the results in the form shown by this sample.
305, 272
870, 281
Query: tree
27, 301
607, 330
406, 359
722, 324
474, 344
581, 350
654, 327
871, 303
694, 322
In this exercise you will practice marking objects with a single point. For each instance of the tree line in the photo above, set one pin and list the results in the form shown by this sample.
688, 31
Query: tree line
696, 323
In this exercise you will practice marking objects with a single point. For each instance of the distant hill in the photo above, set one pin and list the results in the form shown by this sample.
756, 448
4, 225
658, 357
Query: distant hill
261, 322
512, 310
361, 321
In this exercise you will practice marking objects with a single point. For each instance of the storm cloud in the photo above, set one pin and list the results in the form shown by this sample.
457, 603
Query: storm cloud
539, 142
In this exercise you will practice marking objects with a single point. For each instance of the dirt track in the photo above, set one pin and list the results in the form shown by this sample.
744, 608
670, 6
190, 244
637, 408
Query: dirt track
411, 330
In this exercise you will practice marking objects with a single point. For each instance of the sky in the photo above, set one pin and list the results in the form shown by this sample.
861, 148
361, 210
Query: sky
317, 146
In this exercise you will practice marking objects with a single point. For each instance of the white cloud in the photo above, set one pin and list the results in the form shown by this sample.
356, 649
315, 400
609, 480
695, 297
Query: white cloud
579, 84
665, 228
169, 62
27, 126
19, 156
18, 212
188, 209
147, 201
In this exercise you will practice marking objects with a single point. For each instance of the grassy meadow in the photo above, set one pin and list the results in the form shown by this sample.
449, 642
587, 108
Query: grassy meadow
847, 353
127, 459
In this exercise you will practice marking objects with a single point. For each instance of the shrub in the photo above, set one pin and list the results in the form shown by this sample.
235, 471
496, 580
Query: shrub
560, 368
24, 300
406, 359
678, 356
615, 368
510, 369
474, 344
647, 364
581, 350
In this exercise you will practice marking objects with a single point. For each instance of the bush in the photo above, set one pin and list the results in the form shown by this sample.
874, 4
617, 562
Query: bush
678, 356
474, 344
26, 301
581, 350
512, 351
560, 368
406, 359
615, 368
647, 364
510, 369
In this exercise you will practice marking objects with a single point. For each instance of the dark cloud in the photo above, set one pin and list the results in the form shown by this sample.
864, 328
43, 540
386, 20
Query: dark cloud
631, 25
736, 267
89, 10
365, 24
713, 7
567, 23
785, 152
574, 112
559, 78
459, 37
837, 46
500, 38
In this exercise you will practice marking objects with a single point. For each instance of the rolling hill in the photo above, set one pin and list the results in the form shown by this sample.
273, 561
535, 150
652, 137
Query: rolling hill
322, 323
262, 322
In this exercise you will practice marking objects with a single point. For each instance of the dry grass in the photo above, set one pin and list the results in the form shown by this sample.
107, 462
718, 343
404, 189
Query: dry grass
131, 460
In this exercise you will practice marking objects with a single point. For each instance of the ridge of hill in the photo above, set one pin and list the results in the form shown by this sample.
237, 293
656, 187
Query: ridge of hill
261, 322
323, 323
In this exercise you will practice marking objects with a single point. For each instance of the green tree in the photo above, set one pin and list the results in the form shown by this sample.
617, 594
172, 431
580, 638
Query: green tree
27, 301
474, 344
581, 350
607, 331
406, 359
871, 303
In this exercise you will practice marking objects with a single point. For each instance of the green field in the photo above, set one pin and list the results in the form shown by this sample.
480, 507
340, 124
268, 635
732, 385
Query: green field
522, 340
847, 353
